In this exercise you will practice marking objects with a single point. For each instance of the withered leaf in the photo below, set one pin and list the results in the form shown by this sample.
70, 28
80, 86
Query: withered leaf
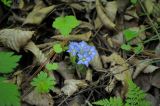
15, 38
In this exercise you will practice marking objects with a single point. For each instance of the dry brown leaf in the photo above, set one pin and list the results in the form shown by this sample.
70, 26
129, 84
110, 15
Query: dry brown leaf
150, 69
131, 11
111, 9
96, 63
40, 57
119, 68
15, 38
72, 85
77, 101
144, 82
122, 4
77, 6
155, 81
38, 14
89, 75
142, 66
65, 71
86, 25
149, 4
103, 17
153, 100
97, 23
112, 84
84, 37
38, 99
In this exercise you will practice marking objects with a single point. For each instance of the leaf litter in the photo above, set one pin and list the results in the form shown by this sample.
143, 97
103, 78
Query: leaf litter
106, 25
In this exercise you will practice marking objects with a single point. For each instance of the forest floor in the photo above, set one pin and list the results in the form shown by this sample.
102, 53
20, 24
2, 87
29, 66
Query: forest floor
76, 52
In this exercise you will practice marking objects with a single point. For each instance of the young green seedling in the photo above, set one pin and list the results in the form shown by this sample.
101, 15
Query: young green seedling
133, 2
43, 83
7, 2
65, 24
130, 34
52, 66
57, 48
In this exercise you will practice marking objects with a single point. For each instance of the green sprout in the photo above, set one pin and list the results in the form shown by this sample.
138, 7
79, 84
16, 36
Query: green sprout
52, 66
43, 83
7, 2
130, 34
133, 1
65, 24
57, 48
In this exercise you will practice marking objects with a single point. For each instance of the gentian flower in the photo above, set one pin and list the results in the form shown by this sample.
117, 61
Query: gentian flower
83, 59
73, 48
85, 52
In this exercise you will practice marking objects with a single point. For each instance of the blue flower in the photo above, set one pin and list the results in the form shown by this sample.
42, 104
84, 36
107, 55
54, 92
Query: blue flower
92, 52
85, 52
84, 59
73, 48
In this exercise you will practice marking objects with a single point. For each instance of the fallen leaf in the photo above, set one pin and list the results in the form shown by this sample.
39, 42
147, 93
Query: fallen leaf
15, 38
111, 9
103, 17
144, 82
84, 37
71, 86
96, 63
40, 57
38, 99
38, 14
111, 85
155, 81
149, 5
142, 66
65, 71
119, 67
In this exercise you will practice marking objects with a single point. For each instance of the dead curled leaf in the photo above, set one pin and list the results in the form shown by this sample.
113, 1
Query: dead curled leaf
96, 63
38, 14
84, 37
142, 66
111, 13
72, 86
155, 81
119, 67
103, 17
40, 57
38, 99
15, 38
111, 85
65, 70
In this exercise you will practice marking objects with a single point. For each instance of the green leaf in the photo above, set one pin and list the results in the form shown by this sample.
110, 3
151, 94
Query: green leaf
7, 2
126, 47
43, 83
138, 49
57, 48
65, 24
52, 66
9, 94
129, 34
109, 102
8, 62
133, 1
135, 96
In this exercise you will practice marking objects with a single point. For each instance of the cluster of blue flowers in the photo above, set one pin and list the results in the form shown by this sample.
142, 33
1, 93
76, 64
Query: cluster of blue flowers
85, 52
